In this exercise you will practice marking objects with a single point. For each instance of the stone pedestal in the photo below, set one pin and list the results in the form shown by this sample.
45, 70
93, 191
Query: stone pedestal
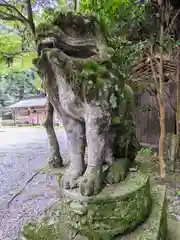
130, 210
155, 225
117, 209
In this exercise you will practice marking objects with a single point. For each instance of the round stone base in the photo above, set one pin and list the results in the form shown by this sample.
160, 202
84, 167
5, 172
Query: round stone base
118, 209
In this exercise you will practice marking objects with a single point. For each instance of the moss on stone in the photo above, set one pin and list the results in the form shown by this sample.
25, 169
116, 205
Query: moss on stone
50, 227
154, 228
92, 222
45, 170
163, 222
173, 230
59, 177
46, 29
42, 232
117, 209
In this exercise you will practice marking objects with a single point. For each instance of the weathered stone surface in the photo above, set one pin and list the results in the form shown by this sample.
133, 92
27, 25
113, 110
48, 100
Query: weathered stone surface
79, 237
83, 81
118, 170
173, 230
155, 227
52, 227
117, 209
49, 227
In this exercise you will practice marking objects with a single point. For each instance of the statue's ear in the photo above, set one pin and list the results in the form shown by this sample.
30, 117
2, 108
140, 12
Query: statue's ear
175, 3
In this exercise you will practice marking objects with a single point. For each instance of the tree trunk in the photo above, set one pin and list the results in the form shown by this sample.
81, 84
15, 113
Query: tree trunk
162, 133
21, 93
30, 16
177, 112
161, 100
55, 160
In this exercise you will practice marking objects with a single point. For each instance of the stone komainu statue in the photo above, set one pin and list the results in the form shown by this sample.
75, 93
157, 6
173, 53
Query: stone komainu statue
83, 82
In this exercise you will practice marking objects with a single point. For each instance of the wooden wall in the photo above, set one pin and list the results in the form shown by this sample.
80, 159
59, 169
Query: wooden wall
148, 122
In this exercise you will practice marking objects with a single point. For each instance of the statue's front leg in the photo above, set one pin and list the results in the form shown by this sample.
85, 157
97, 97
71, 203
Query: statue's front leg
75, 131
97, 129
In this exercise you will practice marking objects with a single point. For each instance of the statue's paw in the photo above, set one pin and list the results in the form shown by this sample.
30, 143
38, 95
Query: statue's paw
69, 182
55, 161
118, 170
91, 182
70, 177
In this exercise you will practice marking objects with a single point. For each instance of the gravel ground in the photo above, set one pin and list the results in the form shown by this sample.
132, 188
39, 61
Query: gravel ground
23, 151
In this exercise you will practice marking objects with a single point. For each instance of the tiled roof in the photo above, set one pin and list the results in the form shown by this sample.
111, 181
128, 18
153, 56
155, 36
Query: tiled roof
33, 102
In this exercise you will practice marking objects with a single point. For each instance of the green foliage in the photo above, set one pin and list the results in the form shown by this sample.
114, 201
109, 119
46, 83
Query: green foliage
178, 193
126, 54
20, 63
17, 75
117, 15
13, 46
146, 150
16, 43
10, 43
47, 14
17, 85
121, 19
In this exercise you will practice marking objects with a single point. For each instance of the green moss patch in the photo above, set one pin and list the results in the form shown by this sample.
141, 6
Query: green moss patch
155, 227
117, 209
50, 227
101, 218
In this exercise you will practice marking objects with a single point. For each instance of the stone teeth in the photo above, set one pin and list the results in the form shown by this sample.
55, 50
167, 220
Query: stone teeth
48, 40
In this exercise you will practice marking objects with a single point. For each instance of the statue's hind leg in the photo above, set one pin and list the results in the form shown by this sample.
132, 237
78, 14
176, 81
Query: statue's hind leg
115, 159
75, 131
125, 150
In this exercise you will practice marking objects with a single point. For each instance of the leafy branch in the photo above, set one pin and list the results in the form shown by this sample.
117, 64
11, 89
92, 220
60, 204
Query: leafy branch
11, 13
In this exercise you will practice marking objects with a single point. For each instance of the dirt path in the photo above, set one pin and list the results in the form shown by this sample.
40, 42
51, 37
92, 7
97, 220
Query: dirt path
23, 151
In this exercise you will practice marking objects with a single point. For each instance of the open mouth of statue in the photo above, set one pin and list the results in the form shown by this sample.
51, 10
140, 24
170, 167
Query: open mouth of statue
70, 47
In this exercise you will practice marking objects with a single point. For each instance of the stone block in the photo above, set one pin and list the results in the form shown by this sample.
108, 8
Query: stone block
155, 227
173, 230
139, 213
117, 209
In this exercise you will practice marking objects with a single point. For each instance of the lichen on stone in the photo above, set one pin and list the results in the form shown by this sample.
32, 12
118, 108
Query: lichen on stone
111, 212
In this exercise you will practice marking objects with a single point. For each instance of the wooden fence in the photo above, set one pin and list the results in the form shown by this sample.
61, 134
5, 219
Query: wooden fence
147, 122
